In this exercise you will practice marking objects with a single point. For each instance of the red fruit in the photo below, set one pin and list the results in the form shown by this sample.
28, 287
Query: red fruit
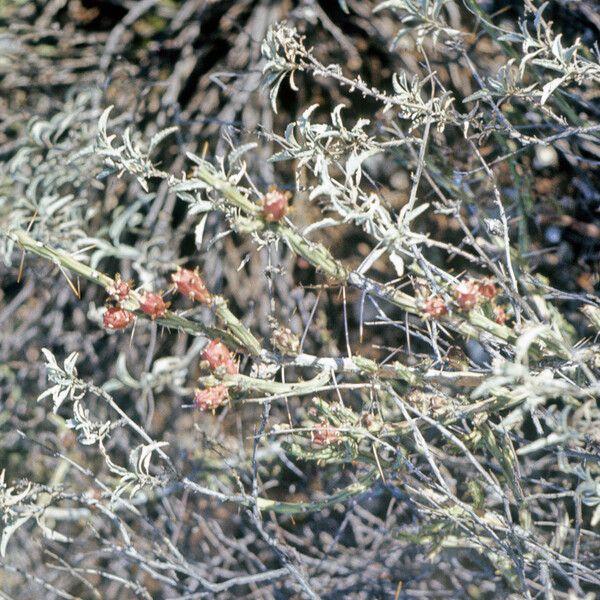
211, 398
500, 315
275, 205
119, 289
487, 289
153, 304
324, 435
217, 354
435, 307
190, 284
116, 317
467, 294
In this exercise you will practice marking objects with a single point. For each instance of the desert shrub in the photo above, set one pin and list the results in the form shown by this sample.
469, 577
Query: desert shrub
299, 302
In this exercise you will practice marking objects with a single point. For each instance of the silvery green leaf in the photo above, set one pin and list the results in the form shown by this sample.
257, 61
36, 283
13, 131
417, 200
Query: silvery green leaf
199, 231
200, 206
525, 340
9, 530
528, 57
9, 498
557, 46
414, 213
160, 136
370, 259
289, 133
186, 197
128, 218
549, 88
128, 144
218, 238
336, 116
58, 204
107, 172
355, 161
59, 397
54, 391
103, 120
537, 21
190, 185
400, 83
570, 52
308, 112
69, 364
105, 249
50, 359
141, 455
419, 210
123, 375
275, 90
280, 156
511, 37
327, 222
548, 64
235, 156
479, 95
398, 263
344, 6
196, 159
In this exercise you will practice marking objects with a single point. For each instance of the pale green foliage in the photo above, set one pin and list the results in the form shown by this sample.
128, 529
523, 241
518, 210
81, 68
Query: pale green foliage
46, 184
446, 350
422, 18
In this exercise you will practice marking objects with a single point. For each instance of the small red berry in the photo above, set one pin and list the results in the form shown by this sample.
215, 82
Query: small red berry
119, 289
217, 354
435, 307
211, 398
324, 435
487, 289
116, 317
153, 304
275, 204
467, 294
190, 284
500, 315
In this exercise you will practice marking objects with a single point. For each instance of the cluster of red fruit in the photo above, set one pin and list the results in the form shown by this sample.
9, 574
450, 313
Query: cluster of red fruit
116, 317
324, 434
275, 204
186, 281
467, 295
219, 357
189, 283
211, 398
